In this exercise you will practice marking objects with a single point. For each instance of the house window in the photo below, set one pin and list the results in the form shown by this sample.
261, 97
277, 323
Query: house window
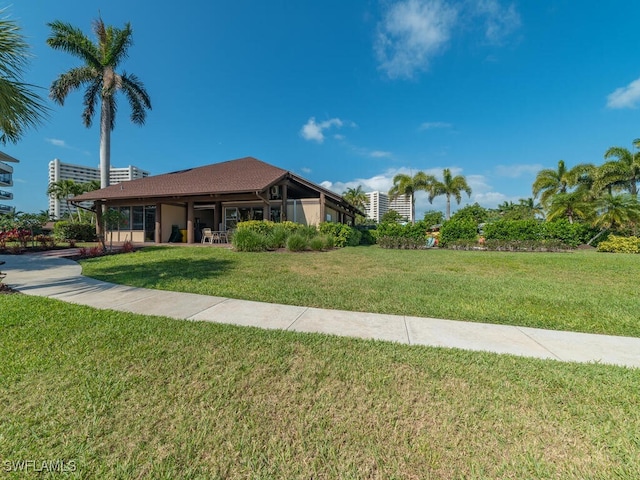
125, 213
137, 218
234, 215
230, 217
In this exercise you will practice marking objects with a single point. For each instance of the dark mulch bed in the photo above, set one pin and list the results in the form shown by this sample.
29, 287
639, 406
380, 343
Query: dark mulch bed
6, 289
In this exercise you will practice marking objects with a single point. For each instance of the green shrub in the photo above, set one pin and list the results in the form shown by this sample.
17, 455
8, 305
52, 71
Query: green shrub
264, 227
248, 240
329, 241
513, 230
297, 242
278, 237
367, 236
616, 244
81, 232
291, 227
453, 230
474, 213
572, 234
308, 231
317, 243
345, 235
389, 229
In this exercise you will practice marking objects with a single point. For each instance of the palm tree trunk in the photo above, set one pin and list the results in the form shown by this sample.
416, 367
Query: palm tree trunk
105, 143
448, 207
597, 235
413, 208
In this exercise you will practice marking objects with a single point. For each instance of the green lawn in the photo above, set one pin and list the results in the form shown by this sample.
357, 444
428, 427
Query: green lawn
127, 396
581, 291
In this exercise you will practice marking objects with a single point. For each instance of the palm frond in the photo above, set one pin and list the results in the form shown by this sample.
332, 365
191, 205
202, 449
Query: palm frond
71, 80
138, 97
21, 109
72, 40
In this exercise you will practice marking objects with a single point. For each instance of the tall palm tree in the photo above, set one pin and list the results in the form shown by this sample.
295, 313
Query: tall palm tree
450, 187
621, 173
408, 185
356, 197
99, 76
20, 107
550, 182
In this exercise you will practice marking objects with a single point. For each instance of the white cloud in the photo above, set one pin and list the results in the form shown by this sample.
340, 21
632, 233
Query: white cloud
430, 125
315, 131
500, 21
515, 171
380, 154
482, 191
306, 170
411, 34
56, 142
491, 199
625, 97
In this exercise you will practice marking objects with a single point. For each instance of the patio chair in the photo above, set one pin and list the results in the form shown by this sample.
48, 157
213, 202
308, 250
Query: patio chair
207, 235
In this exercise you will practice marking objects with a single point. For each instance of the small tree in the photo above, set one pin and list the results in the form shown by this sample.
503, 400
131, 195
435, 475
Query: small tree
433, 217
112, 219
392, 216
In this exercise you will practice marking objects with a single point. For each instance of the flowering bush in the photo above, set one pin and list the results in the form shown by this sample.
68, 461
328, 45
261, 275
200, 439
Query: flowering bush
127, 247
20, 235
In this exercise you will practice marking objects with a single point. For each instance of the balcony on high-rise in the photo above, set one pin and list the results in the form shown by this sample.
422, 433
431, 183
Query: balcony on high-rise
6, 175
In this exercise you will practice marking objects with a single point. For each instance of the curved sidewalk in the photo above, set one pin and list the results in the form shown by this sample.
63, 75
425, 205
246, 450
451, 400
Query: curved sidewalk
62, 279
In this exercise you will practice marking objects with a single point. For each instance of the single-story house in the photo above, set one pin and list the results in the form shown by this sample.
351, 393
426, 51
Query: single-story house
216, 196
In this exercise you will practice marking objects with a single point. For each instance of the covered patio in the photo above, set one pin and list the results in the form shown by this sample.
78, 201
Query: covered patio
215, 197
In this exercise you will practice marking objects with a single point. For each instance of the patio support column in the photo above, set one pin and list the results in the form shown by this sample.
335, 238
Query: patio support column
283, 209
217, 216
190, 222
99, 231
158, 233
322, 207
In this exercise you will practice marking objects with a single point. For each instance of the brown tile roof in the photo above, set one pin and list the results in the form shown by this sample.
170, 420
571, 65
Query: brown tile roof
234, 176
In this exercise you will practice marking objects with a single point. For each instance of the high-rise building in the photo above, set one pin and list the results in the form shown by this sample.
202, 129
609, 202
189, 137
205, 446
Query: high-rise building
380, 203
81, 174
6, 180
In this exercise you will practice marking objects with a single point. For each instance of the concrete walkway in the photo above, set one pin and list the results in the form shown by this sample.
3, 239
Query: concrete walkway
60, 278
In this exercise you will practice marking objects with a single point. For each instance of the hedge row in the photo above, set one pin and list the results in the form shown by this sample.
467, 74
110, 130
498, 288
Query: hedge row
261, 235
571, 234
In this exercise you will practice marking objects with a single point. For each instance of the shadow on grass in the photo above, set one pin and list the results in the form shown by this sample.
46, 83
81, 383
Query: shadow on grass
156, 270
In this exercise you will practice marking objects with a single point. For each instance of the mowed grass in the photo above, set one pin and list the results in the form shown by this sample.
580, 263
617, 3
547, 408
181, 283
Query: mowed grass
129, 396
580, 291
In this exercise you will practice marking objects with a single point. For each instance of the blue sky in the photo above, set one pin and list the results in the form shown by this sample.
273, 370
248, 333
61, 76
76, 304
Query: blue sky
350, 93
